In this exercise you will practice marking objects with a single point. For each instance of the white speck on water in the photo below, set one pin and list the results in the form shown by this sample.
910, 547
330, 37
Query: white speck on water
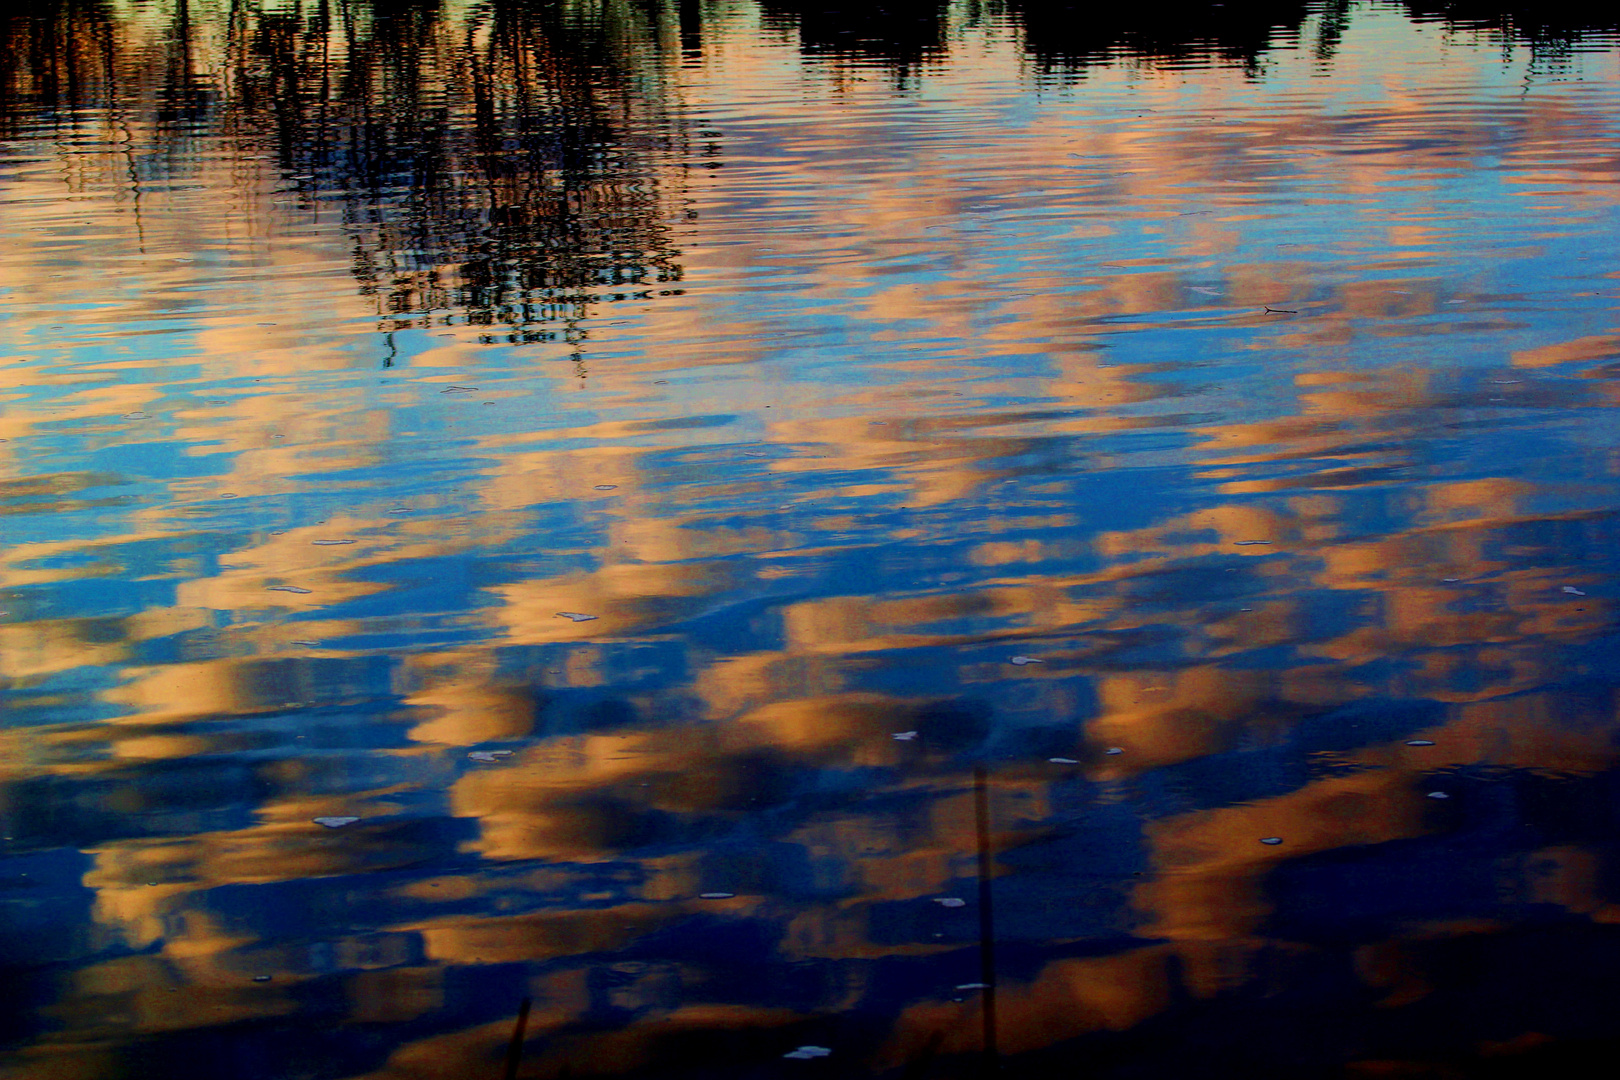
1438, 795
950, 901
605, 487
1419, 742
285, 588
1249, 543
1204, 289
261, 978
330, 543
489, 755
974, 986
1573, 591
310, 643
227, 494
575, 616
1450, 579
1022, 660
137, 416
806, 1053
335, 822
1272, 840
904, 736
1112, 750
1063, 761
716, 895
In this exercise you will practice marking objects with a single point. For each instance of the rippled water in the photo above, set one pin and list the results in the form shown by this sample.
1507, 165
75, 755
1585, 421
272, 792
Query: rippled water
625, 467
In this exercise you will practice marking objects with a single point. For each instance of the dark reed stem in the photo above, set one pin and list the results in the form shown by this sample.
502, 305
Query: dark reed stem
987, 938
514, 1049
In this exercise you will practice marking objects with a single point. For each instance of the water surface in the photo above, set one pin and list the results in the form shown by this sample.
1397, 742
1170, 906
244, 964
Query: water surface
621, 452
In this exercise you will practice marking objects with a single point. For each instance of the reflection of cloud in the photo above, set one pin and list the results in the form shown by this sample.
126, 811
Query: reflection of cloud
1023, 410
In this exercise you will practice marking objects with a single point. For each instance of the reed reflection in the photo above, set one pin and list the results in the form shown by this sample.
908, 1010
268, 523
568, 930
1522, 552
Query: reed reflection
660, 709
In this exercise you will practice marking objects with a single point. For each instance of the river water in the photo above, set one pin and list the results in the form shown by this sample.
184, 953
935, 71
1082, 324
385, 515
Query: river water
949, 535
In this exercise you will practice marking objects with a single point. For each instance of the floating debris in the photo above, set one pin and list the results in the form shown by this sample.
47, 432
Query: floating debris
1063, 761
330, 543
261, 978
1450, 579
312, 644
400, 510
575, 616
1249, 543
605, 487
974, 986
1281, 311
1438, 795
716, 895
1204, 289
137, 416
1112, 750
227, 494
904, 736
458, 389
285, 588
489, 755
1419, 742
1573, 591
1272, 840
1022, 660
336, 822
806, 1053
950, 901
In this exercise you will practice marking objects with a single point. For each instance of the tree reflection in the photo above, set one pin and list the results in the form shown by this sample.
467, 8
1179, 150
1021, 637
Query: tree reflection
498, 168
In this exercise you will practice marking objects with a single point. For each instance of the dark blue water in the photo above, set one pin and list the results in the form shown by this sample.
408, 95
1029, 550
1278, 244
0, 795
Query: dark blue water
626, 466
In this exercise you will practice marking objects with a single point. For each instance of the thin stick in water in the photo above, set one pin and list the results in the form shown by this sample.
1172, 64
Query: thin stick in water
514, 1049
987, 938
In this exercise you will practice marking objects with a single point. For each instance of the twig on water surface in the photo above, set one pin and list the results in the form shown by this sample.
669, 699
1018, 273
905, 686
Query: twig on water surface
1280, 311
514, 1049
987, 940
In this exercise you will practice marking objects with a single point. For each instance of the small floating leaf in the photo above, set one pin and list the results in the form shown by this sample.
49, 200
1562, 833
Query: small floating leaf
1062, 761
806, 1053
330, 543
974, 986
950, 901
310, 643
1022, 660
1419, 742
285, 588
1112, 750
716, 895
1573, 591
489, 755
336, 822
575, 616
605, 487
1272, 840
904, 736
1438, 795
1249, 543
